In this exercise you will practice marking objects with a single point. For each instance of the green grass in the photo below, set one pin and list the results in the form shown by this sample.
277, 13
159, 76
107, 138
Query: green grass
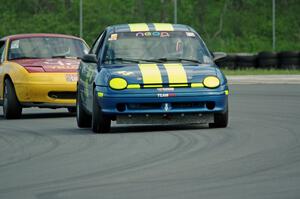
252, 71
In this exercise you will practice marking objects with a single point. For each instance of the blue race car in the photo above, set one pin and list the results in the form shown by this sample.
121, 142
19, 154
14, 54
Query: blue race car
154, 73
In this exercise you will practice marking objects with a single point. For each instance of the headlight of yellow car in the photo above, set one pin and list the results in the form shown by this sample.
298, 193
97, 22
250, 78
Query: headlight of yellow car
118, 83
211, 82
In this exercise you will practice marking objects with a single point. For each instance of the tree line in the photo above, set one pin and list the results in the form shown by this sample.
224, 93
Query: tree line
225, 25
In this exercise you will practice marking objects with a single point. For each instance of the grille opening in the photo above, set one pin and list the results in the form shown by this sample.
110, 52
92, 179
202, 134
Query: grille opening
187, 104
121, 107
144, 106
62, 95
210, 105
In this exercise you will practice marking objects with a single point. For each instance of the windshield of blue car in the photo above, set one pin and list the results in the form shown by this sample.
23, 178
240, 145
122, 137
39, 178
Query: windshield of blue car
46, 47
139, 47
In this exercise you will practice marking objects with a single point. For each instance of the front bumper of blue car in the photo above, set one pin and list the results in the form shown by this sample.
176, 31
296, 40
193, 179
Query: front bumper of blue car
153, 101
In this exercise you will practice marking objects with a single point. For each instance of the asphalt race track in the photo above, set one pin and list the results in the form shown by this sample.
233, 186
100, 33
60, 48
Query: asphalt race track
44, 155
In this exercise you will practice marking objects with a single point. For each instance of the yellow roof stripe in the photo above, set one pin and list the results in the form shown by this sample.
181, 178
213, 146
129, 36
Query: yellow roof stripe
150, 73
136, 27
176, 73
163, 27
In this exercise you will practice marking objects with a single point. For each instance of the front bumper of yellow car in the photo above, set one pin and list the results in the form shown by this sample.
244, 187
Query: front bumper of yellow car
47, 89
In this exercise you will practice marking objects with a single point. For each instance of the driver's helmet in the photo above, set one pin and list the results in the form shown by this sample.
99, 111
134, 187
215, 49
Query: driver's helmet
179, 48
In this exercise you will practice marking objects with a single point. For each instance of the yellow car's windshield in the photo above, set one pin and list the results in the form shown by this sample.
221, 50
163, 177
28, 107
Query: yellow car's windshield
46, 47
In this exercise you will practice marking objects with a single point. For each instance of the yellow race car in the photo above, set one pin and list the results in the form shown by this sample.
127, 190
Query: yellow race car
39, 70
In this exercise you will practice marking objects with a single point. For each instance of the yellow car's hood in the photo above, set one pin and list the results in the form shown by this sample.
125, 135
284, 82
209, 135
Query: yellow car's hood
49, 65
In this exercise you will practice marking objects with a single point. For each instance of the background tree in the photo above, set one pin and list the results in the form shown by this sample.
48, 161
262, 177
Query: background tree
227, 25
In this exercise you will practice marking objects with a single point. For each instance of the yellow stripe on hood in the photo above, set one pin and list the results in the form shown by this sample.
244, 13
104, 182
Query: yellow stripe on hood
163, 27
150, 73
138, 27
176, 73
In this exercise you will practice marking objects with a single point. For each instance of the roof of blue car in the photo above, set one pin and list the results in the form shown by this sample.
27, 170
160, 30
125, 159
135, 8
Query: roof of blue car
138, 27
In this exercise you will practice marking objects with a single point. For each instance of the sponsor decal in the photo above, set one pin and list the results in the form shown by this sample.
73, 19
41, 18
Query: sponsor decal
54, 62
190, 34
113, 37
71, 77
165, 89
152, 34
62, 67
166, 95
125, 73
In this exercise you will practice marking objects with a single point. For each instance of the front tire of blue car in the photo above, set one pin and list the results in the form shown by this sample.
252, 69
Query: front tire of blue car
220, 120
100, 122
83, 119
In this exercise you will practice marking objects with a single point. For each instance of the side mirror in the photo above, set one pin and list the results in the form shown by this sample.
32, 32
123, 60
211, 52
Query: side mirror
218, 56
90, 58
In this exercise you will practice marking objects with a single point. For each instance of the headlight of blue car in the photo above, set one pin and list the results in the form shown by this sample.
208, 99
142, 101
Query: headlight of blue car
118, 83
211, 82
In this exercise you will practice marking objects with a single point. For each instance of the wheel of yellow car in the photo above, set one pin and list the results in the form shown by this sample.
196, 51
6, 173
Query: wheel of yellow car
12, 108
83, 119
100, 122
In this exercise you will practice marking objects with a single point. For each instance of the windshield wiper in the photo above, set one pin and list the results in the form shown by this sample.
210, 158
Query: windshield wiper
64, 56
123, 59
159, 60
191, 60
152, 60
164, 59
25, 57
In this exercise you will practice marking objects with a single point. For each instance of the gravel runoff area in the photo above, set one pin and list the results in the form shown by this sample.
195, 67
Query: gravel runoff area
264, 79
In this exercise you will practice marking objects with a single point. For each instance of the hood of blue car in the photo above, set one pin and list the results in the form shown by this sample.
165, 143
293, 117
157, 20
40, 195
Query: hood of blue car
171, 73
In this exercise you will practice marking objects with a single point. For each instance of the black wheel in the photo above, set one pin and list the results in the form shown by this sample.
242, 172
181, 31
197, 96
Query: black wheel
221, 120
12, 108
100, 122
72, 110
84, 120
